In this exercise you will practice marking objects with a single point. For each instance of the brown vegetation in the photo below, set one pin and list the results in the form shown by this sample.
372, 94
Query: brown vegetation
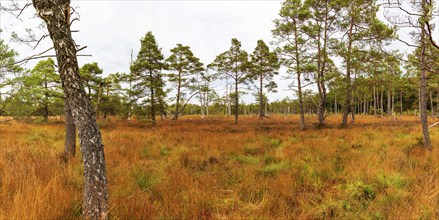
212, 169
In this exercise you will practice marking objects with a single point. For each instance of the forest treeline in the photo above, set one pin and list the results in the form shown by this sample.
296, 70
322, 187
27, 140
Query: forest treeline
336, 56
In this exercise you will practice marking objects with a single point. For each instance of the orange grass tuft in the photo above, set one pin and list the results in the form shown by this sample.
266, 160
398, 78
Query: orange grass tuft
212, 169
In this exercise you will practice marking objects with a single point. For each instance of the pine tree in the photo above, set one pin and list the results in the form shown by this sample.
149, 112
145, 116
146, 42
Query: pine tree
264, 66
362, 28
185, 66
293, 45
324, 15
7, 67
148, 69
45, 86
233, 64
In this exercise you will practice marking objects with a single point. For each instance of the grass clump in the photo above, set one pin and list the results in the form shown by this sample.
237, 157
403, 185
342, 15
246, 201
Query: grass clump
164, 150
250, 195
251, 150
392, 180
270, 159
274, 168
275, 142
360, 191
245, 159
145, 180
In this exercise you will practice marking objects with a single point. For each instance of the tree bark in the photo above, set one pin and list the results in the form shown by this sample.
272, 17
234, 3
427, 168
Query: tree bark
46, 102
98, 101
382, 102
152, 99
402, 104
236, 102
393, 101
423, 90
347, 104
321, 65
177, 103
353, 110
389, 103
53, 12
431, 104
261, 101
70, 140
374, 101
437, 100
299, 81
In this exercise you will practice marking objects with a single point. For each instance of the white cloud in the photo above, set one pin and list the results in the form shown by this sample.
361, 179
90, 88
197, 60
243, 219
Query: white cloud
111, 29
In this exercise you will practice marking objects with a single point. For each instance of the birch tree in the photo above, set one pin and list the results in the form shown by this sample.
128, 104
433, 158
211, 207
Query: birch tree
54, 14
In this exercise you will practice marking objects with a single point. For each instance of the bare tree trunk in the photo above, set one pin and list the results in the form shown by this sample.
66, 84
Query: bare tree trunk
177, 103
301, 110
261, 99
299, 81
365, 105
423, 89
431, 104
393, 102
382, 102
347, 105
70, 140
402, 105
46, 103
389, 103
374, 101
98, 101
236, 103
152, 101
419, 101
335, 105
353, 110
130, 79
54, 13
437, 100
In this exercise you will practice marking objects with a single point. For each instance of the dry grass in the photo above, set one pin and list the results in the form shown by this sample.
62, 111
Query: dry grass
211, 169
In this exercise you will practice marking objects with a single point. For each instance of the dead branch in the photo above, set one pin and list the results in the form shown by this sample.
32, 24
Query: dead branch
433, 125
36, 56
187, 101
38, 42
430, 35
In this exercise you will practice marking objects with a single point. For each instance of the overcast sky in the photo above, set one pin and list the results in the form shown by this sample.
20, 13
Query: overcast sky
111, 29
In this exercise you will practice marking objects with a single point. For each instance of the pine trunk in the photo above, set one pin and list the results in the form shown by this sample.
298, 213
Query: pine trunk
374, 101
299, 82
98, 101
261, 99
402, 104
423, 89
177, 103
389, 103
431, 104
236, 103
347, 104
152, 101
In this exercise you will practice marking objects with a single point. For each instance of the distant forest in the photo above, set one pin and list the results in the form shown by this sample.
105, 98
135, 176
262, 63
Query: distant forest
337, 56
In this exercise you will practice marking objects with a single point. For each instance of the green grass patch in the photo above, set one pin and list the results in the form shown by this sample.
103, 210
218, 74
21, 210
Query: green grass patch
392, 180
273, 169
145, 180
245, 159
251, 150
164, 150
